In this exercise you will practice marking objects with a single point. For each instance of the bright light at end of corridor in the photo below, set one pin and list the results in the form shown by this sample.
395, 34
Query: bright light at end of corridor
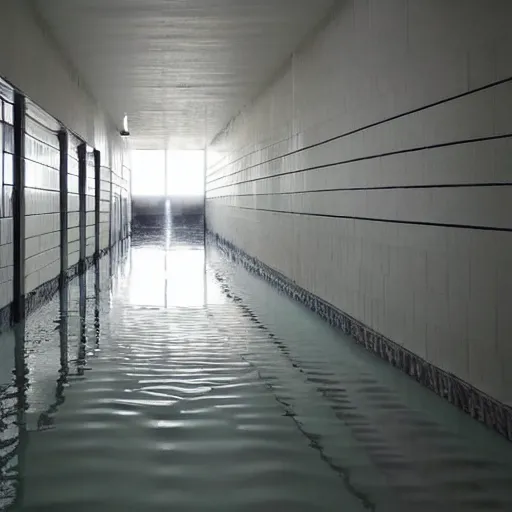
185, 173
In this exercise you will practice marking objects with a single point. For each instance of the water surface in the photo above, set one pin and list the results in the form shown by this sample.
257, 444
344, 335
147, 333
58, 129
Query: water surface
167, 378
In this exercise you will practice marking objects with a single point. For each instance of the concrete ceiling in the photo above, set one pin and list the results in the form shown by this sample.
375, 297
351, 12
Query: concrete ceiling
167, 62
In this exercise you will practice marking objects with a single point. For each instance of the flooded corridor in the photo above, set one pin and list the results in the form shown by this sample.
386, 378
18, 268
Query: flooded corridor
184, 383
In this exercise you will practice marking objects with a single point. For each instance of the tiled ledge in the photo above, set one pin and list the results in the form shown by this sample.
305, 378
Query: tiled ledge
463, 395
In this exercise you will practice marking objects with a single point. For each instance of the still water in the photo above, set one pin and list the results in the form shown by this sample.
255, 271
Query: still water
170, 379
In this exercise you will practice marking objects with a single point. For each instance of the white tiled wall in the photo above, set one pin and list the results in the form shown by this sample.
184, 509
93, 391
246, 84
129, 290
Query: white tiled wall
117, 171
105, 177
125, 199
121, 199
6, 221
384, 107
90, 212
73, 202
42, 198
38, 70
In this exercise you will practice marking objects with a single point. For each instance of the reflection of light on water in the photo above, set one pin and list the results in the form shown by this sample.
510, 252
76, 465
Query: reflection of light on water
185, 277
170, 278
147, 277
168, 224
171, 272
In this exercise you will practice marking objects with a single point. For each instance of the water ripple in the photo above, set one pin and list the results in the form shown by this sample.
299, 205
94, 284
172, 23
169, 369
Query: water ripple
115, 396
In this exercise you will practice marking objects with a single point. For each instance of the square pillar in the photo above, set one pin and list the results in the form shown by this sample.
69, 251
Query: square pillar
82, 177
64, 150
97, 202
18, 306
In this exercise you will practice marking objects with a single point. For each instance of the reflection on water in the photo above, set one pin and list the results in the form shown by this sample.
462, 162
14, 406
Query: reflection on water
11, 411
168, 265
167, 378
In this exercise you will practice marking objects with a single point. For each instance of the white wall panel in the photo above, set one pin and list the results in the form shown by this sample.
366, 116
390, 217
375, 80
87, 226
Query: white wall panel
38, 68
375, 173
73, 201
90, 191
6, 181
42, 198
32, 61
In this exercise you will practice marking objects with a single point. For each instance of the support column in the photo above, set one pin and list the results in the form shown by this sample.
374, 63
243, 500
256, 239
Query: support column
97, 202
18, 308
82, 177
64, 150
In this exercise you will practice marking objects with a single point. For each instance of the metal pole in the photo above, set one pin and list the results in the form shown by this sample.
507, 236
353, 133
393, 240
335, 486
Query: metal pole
18, 309
97, 203
82, 176
64, 150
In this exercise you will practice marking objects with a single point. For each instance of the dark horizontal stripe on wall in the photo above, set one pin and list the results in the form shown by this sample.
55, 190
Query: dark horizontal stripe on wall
44, 213
46, 249
45, 266
42, 189
42, 124
357, 130
28, 159
44, 142
374, 219
370, 157
42, 234
390, 187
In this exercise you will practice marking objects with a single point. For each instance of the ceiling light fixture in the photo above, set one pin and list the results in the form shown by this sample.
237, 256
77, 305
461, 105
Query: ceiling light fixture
125, 132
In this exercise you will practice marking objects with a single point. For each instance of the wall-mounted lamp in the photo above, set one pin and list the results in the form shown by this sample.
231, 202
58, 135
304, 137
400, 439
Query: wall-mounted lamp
125, 132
